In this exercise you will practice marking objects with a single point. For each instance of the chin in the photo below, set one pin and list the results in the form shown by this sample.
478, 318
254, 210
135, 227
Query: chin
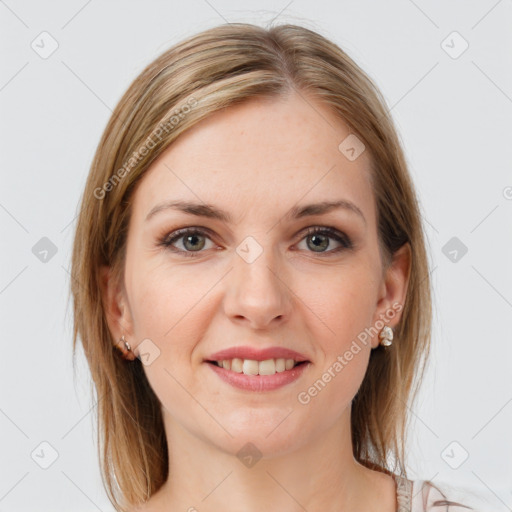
270, 432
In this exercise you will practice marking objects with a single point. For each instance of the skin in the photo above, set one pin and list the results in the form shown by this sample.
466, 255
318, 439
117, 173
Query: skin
256, 161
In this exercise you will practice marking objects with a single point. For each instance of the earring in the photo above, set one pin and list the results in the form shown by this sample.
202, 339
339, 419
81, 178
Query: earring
124, 347
386, 336
126, 344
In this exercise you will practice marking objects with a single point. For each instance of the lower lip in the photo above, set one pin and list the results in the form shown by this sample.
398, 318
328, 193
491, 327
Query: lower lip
259, 382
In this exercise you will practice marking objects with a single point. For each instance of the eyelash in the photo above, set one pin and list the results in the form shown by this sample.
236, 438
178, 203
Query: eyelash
344, 240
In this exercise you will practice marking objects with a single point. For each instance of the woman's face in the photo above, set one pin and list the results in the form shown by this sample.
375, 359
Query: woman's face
257, 279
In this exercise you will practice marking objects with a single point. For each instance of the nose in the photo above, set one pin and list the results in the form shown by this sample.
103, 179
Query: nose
257, 291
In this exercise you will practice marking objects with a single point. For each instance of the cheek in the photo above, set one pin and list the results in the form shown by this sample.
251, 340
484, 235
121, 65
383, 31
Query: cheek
344, 304
158, 294
169, 306
169, 310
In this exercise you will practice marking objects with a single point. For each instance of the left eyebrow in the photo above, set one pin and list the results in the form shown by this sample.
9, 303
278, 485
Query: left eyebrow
297, 212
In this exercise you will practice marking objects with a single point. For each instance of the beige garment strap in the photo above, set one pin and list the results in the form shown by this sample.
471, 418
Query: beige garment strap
403, 493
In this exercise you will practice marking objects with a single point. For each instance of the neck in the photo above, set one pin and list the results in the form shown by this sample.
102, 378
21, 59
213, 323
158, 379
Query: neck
322, 474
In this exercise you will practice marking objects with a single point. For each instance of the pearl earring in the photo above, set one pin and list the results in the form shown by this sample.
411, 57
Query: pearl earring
386, 336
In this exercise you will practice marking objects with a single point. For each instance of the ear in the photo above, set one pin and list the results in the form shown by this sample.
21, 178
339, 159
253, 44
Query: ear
393, 290
117, 312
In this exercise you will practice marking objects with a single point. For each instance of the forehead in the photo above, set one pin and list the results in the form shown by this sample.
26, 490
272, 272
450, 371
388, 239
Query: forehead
267, 153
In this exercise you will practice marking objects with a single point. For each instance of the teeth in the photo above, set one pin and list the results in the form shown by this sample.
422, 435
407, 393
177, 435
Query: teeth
281, 365
267, 367
237, 365
252, 367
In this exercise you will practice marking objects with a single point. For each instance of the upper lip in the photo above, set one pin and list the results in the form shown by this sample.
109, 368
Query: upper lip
256, 354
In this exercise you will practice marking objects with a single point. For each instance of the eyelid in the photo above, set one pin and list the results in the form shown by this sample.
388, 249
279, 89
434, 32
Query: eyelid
169, 238
330, 231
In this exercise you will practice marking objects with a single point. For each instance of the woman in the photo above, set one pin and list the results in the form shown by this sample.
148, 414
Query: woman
250, 240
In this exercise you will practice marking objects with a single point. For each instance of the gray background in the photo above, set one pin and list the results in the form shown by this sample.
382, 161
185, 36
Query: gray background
453, 113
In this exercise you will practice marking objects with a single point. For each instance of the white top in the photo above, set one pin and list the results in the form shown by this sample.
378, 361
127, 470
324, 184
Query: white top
425, 496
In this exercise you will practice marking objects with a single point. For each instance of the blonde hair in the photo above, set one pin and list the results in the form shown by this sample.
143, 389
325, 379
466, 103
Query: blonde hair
219, 67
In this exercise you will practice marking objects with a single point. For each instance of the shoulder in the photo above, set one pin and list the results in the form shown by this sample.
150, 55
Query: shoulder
436, 497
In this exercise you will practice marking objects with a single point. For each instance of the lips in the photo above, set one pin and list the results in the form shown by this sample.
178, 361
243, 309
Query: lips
258, 382
253, 369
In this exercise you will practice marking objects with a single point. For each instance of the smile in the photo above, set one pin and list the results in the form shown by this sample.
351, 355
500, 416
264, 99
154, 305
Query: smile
254, 375
253, 367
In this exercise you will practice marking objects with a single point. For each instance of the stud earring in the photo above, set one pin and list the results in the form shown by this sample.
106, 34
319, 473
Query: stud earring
386, 336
